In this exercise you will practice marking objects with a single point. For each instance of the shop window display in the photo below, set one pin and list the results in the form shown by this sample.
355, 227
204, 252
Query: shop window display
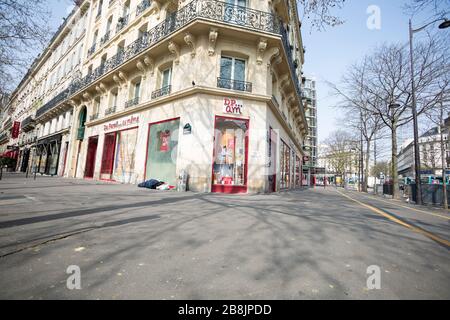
285, 164
229, 166
162, 151
298, 172
53, 157
125, 155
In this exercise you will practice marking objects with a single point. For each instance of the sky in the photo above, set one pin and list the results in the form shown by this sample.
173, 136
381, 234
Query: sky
330, 52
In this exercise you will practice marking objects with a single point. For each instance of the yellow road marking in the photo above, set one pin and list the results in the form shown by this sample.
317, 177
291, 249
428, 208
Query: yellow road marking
414, 209
394, 219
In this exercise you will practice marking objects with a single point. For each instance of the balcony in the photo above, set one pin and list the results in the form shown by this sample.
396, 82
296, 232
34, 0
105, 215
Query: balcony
123, 21
28, 124
132, 102
110, 110
80, 133
164, 91
105, 38
91, 50
8, 124
208, 10
142, 7
4, 137
94, 117
234, 84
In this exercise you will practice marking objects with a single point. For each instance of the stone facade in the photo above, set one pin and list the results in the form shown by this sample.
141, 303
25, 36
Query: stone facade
190, 67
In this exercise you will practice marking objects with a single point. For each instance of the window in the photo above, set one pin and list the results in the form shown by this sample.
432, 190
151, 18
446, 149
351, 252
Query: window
94, 40
97, 105
114, 99
229, 167
232, 68
137, 89
166, 77
80, 53
108, 25
232, 74
285, 164
99, 11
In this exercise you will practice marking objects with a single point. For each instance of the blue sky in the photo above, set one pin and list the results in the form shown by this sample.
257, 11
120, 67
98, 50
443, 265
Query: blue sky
330, 52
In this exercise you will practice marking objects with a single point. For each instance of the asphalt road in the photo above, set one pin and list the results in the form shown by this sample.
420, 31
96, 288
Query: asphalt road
132, 243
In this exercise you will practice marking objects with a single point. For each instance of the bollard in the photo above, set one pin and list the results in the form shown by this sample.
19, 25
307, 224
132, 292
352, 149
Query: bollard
35, 171
1, 172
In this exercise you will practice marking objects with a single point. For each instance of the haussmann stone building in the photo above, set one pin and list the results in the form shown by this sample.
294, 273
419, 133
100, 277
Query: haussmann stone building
133, 90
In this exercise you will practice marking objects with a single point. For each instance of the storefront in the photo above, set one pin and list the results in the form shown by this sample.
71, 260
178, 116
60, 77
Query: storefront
230, 156
162, 151
118, 158
46, 159
225, 145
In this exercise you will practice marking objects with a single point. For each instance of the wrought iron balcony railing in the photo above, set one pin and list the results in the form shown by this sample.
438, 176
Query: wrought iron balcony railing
234, 84
123, 21
7, 124
94, 117
4, 136
27, 124
110, 110
80, 133
196, 9
142, 6
105, 38
92, 50
111, 2
132, 102
164, 91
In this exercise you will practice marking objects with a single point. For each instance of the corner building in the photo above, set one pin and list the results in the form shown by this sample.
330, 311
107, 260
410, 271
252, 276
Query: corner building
204, 86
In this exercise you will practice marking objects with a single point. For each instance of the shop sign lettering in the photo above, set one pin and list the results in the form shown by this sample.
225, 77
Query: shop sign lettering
232, 106
121, 123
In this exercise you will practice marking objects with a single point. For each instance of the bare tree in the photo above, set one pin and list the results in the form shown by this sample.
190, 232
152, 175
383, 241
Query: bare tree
23, 32
341, 146
435, 7
389, 82
358, 114
437, 116
319, 12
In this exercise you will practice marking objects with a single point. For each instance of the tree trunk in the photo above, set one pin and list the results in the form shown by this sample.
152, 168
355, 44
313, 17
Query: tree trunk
443, 161
366, 167
394, 165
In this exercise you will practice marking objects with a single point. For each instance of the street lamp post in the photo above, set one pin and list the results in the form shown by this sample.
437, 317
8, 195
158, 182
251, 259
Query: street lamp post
443, 25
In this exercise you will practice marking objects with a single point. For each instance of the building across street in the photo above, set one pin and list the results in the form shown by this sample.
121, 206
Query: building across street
129, 91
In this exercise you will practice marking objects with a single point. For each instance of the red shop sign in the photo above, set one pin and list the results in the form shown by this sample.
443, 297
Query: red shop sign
15, 130
232, 106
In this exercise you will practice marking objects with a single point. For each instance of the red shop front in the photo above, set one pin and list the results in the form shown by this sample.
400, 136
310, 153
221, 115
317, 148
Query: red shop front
230, 155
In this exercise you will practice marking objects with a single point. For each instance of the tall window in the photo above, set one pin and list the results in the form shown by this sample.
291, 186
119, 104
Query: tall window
114, 99
100, 5
94, 40
137, 89
109, 23
166, 75
232, 73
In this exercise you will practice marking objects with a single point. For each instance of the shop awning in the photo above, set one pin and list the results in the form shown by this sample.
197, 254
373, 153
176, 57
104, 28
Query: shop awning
13, 154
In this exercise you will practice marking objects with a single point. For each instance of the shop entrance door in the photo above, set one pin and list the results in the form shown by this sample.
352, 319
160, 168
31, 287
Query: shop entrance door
162, 151
109, 147
90, 157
